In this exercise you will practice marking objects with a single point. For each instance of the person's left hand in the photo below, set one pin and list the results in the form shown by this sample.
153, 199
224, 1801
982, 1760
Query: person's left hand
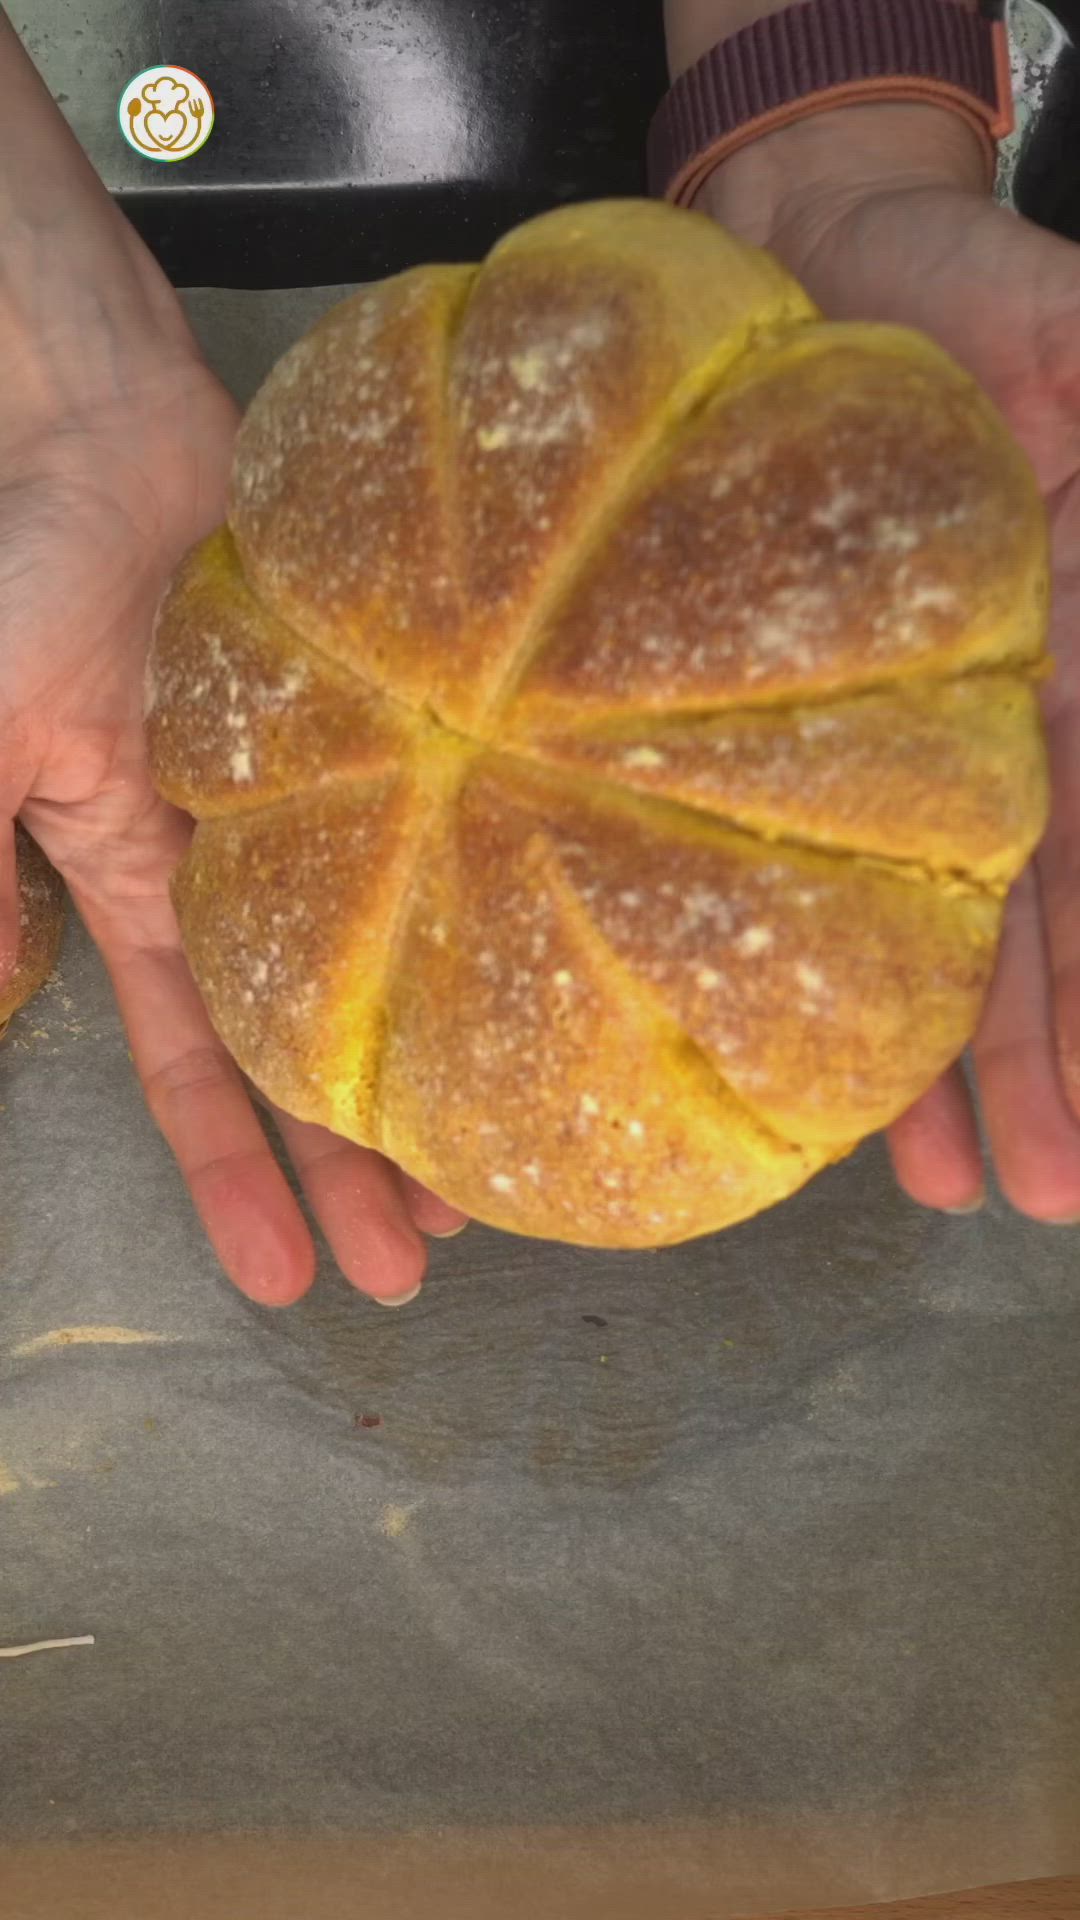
879, 213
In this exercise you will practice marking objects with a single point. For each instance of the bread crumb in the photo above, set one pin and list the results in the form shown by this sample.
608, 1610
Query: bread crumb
89, 1337
394, 1519
47, 1646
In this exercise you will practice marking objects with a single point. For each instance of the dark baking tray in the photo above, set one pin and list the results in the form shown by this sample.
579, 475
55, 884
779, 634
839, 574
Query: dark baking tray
1046, 186
355, 137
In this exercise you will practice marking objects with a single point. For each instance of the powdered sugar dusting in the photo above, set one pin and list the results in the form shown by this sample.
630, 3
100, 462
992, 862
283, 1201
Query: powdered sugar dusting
572, 1008
821, 528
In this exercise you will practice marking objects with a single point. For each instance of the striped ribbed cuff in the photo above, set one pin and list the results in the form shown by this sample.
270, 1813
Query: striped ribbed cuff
826, 53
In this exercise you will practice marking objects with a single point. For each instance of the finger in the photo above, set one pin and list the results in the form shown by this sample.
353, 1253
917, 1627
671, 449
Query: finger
935, 1148
432, 1215
1034, 1135
356, 1198
1059, 879
427, 1212
196, 1095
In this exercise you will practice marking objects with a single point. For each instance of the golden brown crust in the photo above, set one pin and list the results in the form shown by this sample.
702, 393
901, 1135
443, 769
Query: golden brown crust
296, 966
559, 1098
849, 774
239, 712
41, 924
846, 513
338, 501
589, 339
610, 725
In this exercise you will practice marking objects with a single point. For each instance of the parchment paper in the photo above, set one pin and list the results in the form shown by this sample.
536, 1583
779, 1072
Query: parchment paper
738, 1577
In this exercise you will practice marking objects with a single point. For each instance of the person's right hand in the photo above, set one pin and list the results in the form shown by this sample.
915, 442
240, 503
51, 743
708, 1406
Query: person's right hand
97, 506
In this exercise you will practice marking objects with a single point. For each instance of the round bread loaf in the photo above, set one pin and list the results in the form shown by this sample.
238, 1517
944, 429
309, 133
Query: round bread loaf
41, 923
609, 716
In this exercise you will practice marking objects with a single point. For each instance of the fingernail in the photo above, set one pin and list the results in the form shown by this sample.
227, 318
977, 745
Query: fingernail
397, 1299
453, 1232
1064, 1220
973, 1206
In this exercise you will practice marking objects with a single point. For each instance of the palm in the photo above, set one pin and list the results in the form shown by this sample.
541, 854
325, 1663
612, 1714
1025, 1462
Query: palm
92, 521
86, 539
1005, 299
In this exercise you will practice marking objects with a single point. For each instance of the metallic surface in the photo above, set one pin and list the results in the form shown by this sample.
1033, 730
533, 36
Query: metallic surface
1046, 74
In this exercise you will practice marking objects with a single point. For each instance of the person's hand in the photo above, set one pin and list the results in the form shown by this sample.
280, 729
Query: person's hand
882, 214
115, 442
95, 510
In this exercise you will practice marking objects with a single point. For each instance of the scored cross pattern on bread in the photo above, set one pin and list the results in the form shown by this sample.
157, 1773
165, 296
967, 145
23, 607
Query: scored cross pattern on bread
610, 716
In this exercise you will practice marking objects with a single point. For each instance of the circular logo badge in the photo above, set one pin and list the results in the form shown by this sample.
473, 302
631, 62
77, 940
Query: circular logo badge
166, 113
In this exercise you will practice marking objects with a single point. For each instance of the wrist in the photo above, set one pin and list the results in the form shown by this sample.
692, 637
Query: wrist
824, 164
784, 190
84, 309
85, 316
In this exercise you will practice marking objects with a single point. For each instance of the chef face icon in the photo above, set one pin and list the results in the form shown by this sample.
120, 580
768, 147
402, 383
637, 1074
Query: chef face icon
166, 113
